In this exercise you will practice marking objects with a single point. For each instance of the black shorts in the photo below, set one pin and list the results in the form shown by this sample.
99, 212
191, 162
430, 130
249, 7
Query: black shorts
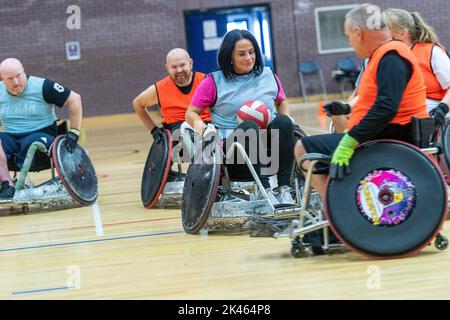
322, 143
327, 143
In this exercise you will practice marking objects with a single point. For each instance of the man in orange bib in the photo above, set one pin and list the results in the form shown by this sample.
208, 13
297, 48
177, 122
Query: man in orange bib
391, 92
173, 93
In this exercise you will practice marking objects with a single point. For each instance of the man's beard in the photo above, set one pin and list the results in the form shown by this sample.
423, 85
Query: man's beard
17, 91
182, 79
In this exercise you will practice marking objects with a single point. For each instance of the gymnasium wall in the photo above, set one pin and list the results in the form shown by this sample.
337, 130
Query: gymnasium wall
124, 43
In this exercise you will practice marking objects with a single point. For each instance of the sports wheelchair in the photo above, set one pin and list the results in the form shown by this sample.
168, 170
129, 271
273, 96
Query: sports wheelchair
156, 190
389, 207
73, 178
160, 186
217, 199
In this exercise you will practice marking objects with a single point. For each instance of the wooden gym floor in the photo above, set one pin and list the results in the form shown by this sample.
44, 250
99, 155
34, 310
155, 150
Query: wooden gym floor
144, 254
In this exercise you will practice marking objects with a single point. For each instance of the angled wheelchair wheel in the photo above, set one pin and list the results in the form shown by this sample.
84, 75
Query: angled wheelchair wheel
199, 194
444, 158
75, 171
156, 169
392, 204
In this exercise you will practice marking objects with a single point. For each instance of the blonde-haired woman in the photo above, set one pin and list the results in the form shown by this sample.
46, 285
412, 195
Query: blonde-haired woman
432, 56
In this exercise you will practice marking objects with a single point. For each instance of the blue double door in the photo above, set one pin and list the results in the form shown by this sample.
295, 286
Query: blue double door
205, 30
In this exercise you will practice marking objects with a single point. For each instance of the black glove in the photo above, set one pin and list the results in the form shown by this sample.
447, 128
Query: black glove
438, 114
72, 139
336, 108
157, 132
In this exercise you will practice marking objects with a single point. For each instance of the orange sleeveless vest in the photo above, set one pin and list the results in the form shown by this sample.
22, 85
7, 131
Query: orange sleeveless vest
174, 103
414, 96
423, 51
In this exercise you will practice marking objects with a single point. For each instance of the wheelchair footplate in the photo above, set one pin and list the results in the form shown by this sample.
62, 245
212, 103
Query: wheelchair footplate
235, 214
48, 195
171, 196
51, 194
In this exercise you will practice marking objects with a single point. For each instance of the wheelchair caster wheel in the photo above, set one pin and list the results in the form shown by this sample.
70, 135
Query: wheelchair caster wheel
25, 208
441, 242
298, 251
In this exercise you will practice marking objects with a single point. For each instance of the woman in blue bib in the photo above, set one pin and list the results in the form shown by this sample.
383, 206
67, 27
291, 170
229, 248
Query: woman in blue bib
242, 77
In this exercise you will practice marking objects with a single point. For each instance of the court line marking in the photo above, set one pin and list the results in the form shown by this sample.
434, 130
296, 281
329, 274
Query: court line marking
88, 241
87, 237
97, 219
42, 290
85, 227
